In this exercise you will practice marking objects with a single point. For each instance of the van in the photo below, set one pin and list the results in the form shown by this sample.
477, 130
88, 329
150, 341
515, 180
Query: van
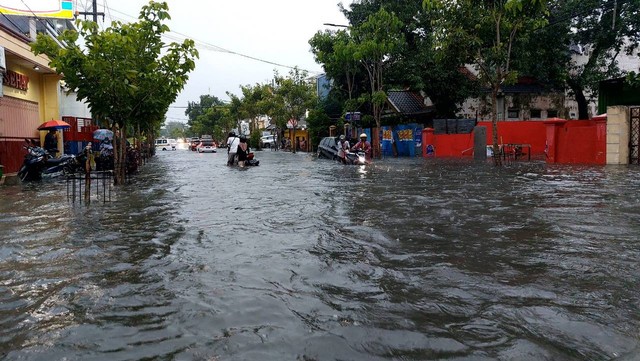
166, 144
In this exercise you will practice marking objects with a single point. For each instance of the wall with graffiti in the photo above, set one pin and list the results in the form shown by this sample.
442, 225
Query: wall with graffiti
402, 140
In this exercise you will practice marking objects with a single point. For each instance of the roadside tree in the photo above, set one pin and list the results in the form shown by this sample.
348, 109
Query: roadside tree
126, 73
376, 41
486, 31
600, 30
289, 99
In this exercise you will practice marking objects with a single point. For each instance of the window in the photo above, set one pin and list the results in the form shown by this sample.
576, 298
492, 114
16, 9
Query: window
552, 113
513, 113
536, 113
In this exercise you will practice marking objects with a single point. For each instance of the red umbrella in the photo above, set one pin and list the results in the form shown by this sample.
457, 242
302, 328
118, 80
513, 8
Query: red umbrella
54, 124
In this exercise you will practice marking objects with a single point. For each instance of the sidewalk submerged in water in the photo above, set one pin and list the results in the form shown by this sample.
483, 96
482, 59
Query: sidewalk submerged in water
10, 179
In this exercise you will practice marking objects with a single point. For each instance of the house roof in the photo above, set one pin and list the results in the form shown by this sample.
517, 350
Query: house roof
406, 102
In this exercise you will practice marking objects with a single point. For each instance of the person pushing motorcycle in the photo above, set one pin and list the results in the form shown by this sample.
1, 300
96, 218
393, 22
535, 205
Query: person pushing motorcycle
364, 146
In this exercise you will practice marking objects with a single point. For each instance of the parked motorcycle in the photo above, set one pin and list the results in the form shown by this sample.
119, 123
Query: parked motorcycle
251, 160
38, 163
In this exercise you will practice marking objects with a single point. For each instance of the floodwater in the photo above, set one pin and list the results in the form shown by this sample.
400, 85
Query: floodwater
306, 259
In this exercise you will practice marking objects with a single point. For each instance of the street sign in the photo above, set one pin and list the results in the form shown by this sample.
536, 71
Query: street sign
353, 116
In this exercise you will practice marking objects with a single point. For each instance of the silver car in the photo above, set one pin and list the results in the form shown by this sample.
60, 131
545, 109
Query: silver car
328, 148
267, 141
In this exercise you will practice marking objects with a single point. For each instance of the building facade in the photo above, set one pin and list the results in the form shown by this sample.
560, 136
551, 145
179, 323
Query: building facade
30, 96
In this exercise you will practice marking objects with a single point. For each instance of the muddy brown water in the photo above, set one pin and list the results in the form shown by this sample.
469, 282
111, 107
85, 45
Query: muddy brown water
306, 259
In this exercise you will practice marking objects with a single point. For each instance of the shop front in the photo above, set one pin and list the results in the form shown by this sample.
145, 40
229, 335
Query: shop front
29, 98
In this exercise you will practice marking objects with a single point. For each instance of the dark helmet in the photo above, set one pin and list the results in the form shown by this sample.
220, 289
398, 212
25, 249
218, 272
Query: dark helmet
232, 134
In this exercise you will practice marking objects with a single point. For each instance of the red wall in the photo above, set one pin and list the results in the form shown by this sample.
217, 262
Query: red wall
577, 141
12, 154
81, 129
515, 132
448, 145
556, 140
531, 132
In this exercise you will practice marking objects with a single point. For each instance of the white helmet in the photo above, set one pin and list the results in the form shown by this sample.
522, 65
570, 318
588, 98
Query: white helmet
363, 135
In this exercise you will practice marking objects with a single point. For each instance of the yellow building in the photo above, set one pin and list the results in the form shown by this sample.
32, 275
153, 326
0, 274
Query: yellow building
30, 96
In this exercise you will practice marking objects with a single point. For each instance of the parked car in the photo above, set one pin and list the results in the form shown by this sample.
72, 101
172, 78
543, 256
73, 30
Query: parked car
328, 148
267, 141
193, 144
207, 146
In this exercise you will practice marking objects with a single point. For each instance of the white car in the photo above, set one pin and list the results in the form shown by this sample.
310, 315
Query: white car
206, 146
267, 141
166, 144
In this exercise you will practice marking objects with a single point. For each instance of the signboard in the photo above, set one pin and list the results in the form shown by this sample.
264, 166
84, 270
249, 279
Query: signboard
352, 116
62, 9
417, 136
15, 80
3, 62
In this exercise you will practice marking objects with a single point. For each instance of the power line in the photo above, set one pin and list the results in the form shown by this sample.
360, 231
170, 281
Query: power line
44, 22
94, 12
608, 6
216, 48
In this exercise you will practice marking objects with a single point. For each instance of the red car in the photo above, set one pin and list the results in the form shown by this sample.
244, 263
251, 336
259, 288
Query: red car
193, 144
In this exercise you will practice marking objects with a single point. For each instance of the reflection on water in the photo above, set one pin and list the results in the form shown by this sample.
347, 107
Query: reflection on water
307, 259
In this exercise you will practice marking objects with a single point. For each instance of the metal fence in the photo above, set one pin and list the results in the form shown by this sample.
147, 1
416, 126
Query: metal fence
85, 188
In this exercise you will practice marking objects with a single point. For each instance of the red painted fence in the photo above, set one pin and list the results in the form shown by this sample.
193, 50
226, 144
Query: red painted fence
556, 140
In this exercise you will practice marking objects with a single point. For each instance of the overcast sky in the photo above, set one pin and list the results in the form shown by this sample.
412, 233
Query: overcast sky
277, 31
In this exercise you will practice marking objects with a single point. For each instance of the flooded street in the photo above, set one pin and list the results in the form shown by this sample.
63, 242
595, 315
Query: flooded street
305, 259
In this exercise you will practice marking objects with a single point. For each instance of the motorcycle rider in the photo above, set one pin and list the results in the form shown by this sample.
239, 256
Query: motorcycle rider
232, 148
243, 150
364, 146
343, 148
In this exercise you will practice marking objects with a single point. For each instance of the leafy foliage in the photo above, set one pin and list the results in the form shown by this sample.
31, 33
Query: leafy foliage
486, 33
126, 73
209, 116
601, 30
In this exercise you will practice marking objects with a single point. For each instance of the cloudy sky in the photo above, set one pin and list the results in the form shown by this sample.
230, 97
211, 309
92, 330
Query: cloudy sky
275, 31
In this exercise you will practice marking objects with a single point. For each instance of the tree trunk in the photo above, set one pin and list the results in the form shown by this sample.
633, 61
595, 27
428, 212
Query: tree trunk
119, 155
497, 157
375, 133
583, 105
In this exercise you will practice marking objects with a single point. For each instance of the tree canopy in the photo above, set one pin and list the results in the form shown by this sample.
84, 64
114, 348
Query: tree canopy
126, 73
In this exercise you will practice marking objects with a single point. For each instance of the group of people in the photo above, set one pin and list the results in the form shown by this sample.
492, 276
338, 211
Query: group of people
238, 150
362, 145
300, 144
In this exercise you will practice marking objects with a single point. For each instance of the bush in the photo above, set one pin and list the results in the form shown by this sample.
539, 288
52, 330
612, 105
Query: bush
254, 140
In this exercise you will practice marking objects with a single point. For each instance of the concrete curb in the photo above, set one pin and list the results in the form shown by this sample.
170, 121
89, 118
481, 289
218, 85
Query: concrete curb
10, 179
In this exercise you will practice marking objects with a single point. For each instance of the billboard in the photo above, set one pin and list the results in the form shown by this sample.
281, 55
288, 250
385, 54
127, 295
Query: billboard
62, 9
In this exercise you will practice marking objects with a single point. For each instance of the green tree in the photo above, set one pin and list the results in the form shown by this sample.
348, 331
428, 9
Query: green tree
376, 41
173, 130
254, 102
198, 108
487, 31
603, 29
420, 65
336, 52
289, 99
126, 73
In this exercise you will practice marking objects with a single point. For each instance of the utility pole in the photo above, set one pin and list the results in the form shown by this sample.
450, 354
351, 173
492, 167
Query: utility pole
94, 13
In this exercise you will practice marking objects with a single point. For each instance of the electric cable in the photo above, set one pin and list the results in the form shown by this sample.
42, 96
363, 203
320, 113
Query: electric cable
216, 48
